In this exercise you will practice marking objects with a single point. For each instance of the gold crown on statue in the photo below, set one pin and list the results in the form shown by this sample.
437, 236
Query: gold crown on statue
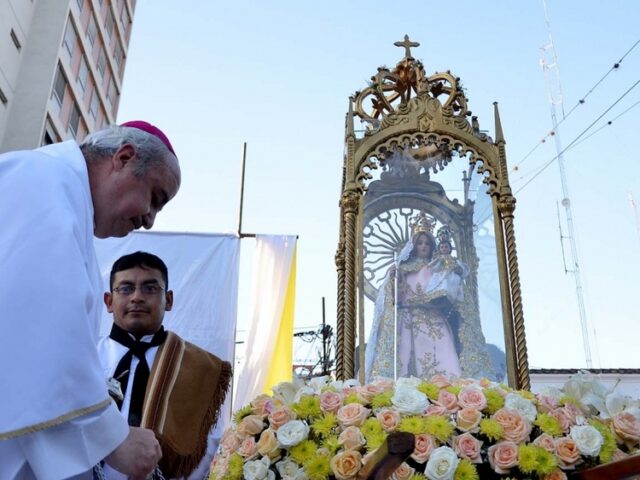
422, 223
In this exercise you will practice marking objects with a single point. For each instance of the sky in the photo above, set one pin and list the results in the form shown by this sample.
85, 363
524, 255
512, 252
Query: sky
278, 75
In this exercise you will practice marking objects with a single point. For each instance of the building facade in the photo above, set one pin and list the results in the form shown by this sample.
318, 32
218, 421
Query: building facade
61, 68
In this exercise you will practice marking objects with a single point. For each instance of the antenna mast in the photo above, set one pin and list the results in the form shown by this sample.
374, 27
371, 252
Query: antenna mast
549, 64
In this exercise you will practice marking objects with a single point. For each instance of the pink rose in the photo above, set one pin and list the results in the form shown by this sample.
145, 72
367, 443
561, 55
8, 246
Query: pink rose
403, 472
384, 383
546, 403
619, 455
230, 441
557, 474
467, 446
503, 456
268, 445
346, 464
515, 427
567, 453
441, 381
546, 441
330, 401
562, 419
389, 419
352, 438
248, 448
262, 404
369, 391
484, 383
352, 414
472, 397
448, 400
434, 409
572, 412
424, 445
219, 466
251, 425
627, 427
468, 419
280, 416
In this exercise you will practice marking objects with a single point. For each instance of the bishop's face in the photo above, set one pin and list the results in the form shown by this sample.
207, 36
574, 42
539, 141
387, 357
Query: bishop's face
138, 300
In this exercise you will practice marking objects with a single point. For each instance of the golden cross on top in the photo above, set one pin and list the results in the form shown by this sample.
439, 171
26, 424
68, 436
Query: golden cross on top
407, 44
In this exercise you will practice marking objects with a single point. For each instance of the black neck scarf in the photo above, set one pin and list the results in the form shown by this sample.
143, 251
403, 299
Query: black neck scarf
141, 376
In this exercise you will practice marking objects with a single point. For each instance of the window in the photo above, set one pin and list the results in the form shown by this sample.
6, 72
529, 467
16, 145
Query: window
118, 55
74, 120
59, 86
111, 92
15, 40
3, 98
102, 61
83, 73
70, 37
92, 30
50, 135
80, 4
95, 102
109, 23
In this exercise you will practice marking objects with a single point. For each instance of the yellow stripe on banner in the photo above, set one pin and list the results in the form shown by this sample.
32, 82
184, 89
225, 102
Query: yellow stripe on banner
281, 369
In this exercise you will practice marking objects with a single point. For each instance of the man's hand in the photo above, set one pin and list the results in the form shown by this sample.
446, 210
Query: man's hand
138, 455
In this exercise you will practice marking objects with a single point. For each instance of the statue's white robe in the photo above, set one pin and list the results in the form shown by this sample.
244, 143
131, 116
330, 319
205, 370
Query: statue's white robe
56, 419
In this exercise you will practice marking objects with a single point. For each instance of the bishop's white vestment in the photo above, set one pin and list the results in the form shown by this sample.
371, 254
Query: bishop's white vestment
57, 419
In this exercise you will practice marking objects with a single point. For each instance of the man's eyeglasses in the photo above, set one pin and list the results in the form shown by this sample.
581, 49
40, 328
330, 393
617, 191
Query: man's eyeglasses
145, 288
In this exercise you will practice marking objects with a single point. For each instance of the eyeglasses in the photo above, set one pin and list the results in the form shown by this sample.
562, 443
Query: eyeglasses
145, 289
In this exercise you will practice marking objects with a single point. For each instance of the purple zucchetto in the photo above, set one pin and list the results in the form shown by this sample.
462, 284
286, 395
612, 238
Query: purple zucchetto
153, 130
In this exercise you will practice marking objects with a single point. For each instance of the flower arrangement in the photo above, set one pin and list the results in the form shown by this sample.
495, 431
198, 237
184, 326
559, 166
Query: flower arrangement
463, 429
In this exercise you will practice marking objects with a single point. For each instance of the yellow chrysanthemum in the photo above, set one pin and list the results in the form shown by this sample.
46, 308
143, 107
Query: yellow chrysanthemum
566, 399
240, 414
382, 400
527, 458
303, 451
609, 445
373, 433
430, 390
375, 441
417, 476
546, 462
307, 407
491, 429
234, 470
331, 443
438, 427
412, 424
548, 424
466, 471
526, 394
354, 398
318, 467
323, 425
453, 389
494, 401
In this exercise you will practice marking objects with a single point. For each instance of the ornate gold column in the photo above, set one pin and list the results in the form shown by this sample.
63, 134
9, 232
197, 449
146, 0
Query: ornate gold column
350, 200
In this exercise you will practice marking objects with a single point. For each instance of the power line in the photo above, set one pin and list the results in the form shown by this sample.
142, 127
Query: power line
582, 101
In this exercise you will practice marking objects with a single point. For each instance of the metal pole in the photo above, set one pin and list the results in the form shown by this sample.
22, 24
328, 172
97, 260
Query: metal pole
244, 161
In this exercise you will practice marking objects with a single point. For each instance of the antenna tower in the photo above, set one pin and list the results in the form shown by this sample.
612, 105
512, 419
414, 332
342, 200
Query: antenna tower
550, 67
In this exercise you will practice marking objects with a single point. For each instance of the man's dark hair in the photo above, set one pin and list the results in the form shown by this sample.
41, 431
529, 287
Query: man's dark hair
142, 260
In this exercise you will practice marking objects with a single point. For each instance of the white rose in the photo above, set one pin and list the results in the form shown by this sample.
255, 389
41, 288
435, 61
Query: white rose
303, 391
411, 382
524, 407
258, 470
409, 401
318, 383
588, 439
292, 433
285, 392
442, 464
290, 470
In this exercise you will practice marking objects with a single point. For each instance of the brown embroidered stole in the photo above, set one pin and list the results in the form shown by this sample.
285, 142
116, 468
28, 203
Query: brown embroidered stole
186, 389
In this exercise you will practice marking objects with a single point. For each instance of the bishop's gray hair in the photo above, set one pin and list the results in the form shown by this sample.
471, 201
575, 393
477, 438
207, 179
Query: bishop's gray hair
104, 143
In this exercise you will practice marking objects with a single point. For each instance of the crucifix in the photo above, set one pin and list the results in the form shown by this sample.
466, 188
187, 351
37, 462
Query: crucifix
407, 44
